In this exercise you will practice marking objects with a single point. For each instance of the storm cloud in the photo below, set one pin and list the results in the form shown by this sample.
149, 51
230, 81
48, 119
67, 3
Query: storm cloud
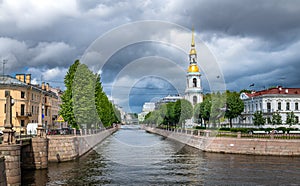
253, 41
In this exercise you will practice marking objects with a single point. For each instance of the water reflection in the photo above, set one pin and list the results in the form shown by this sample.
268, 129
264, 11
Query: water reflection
134, 157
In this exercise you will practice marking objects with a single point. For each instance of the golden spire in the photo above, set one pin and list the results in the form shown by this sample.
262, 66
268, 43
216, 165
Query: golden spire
193, 39
193, 50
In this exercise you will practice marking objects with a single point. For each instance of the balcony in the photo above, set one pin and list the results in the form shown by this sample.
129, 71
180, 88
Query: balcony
23, 114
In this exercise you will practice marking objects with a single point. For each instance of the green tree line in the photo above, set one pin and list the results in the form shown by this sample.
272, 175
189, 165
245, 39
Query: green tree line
215, 106
84, 103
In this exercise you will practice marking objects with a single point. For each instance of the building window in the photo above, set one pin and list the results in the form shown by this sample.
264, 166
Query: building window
296, 106
31, 96
195, 100
279, 106
194, 82
22, 110
32, 109
297, 119
269, 107
22, 123
22, 94
4, 108
287, 106
46, 111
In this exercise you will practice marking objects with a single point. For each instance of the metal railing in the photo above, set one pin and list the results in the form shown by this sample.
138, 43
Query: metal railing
217, 133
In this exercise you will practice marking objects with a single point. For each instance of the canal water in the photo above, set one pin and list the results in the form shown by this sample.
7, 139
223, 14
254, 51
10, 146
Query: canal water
132, 156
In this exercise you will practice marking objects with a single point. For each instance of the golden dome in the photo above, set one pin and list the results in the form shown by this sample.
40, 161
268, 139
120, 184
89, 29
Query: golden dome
193, 68
193, 51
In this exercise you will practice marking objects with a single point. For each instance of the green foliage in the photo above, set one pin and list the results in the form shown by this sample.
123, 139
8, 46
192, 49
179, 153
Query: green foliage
235, 106
67, 102
205, 108
84, 101
258, 118
185, 109
290, 118
200, 127
171, 114
245, 91
276, 118
217, 104
83, 97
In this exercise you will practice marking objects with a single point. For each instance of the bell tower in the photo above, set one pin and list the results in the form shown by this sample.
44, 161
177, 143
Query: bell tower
193, 91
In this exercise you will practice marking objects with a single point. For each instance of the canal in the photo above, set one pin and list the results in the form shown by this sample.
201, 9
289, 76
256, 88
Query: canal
134, 157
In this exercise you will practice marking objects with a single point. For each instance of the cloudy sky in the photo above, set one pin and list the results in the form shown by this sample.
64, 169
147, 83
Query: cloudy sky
240, 41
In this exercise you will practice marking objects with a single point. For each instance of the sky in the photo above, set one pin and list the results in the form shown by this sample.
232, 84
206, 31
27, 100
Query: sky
140, 48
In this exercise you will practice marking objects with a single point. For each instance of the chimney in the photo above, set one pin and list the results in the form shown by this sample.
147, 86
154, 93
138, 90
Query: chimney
28, 78
20, 77
47, 86
43, 85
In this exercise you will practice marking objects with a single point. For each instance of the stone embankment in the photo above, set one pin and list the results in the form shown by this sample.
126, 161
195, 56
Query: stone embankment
65, 148
233, 145
35, 153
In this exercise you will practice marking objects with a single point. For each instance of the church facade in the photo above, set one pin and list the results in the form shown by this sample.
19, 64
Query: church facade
193, 91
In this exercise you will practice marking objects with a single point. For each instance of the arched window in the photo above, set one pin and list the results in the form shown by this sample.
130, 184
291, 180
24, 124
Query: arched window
195, 100
194, 82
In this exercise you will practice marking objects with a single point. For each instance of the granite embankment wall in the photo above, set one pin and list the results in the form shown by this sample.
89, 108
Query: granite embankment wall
62, 148
2, 171
234, 145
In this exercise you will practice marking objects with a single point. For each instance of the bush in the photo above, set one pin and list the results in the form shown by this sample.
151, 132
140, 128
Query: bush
224, 129
199, 127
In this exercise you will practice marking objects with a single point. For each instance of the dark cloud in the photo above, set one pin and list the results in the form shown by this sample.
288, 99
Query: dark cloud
254, 41
274, 20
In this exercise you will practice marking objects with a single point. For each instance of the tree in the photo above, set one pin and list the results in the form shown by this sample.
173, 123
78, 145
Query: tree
205, 109
84, 105
184, 110
276, 118
197, 113
290, 118
84, 101
258, 118
67, 102
217, 105
234, 106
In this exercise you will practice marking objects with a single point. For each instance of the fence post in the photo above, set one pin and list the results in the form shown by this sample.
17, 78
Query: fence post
272, 134
239, 134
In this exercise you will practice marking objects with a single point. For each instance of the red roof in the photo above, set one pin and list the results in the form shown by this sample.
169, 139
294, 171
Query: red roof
277, 90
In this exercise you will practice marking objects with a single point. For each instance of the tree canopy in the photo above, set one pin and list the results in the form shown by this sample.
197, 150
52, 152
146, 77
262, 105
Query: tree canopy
234, 106
84, 103
258, 118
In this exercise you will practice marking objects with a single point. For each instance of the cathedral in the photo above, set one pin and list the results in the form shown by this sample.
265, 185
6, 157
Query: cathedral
193, 91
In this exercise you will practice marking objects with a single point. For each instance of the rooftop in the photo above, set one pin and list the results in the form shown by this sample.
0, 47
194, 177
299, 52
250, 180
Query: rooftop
276, 90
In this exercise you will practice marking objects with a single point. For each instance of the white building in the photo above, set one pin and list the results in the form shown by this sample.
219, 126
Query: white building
167, 99
193, 91
283, 100
148, 107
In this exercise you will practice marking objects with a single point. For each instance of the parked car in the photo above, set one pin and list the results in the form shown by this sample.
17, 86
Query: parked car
1, 133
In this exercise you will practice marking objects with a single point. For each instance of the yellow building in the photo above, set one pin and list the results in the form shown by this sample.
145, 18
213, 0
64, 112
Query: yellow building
32, 103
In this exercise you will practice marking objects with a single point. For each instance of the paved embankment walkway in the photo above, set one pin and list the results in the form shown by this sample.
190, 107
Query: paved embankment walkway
233, 145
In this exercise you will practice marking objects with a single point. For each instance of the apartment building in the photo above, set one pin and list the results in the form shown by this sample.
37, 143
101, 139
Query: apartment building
30, 101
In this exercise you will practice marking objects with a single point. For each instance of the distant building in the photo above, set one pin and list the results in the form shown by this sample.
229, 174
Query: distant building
147, 107
168, 99
33, 103
193, 91
122, 113
283, 100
